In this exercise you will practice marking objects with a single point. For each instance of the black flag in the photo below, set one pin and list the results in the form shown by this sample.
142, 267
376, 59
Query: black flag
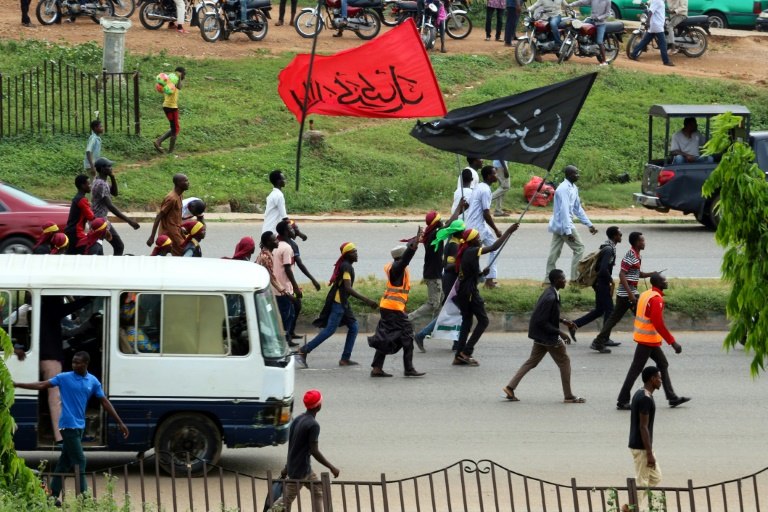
528, 128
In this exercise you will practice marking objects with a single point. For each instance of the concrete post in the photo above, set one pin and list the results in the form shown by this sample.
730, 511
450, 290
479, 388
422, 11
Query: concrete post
114, 42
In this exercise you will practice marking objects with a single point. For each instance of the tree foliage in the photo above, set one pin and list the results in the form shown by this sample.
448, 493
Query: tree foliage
15, 477
743, 232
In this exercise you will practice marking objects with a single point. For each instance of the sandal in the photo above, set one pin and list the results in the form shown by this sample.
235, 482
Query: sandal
574, 400
510, 394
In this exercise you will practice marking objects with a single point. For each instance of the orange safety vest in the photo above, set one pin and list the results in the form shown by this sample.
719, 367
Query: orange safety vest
396, 297
645, 332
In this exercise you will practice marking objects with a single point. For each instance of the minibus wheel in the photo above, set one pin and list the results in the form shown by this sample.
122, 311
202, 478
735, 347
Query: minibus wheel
188, 436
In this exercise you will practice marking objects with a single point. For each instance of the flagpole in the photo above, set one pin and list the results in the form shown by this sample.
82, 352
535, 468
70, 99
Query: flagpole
307, 87
461, 184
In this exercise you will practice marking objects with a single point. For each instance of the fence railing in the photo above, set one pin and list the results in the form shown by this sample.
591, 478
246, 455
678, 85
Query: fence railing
59, 98
466, 486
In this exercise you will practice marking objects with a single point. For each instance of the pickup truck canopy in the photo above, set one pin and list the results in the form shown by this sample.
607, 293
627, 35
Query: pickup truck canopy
696, 110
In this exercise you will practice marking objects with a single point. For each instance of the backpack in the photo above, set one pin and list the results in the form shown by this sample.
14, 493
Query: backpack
587, 268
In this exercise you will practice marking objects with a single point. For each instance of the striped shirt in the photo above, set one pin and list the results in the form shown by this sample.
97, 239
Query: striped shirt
630, 265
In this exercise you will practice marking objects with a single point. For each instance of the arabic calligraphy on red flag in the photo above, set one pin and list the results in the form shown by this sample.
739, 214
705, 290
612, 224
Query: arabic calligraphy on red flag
388, 77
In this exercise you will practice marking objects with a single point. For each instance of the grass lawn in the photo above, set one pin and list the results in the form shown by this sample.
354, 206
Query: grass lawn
235, 130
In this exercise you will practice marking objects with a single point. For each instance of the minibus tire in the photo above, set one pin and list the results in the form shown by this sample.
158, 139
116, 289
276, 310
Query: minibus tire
191, 433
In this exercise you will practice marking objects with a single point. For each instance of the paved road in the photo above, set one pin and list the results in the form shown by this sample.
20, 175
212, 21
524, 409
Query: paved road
404, 427
684, 250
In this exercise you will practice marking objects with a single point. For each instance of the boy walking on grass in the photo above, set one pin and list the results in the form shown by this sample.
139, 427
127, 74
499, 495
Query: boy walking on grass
93, 147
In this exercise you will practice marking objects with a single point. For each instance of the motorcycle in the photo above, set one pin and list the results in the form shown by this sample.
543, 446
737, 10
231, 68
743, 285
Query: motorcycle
153, 14
457, 25
690, 35
225, 20
579, 40
425, 19
51, 11
361, 18
537, 40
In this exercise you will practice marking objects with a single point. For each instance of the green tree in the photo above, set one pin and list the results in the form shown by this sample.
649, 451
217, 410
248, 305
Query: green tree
743, 232
15, 477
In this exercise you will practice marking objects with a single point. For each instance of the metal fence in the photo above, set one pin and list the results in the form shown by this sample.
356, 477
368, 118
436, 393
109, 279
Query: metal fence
466, 486
59, 98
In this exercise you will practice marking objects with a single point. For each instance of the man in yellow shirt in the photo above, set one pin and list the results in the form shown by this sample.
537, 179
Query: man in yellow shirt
171, 109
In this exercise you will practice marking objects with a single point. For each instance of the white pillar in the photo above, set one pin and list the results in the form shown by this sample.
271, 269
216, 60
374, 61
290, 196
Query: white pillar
114, 42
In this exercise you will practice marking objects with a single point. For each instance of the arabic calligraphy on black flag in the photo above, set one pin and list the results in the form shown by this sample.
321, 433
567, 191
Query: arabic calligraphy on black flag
389, 77
528, 128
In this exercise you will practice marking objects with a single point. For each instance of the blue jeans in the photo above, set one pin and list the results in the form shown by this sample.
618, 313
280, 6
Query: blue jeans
287, 314
343, 8
338, 315
428, 329
554, 24
680, 159
243, 10
660, 39
600, 33
71, 455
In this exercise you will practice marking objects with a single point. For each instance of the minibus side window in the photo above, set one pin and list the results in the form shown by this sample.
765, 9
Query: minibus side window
238, 325
192, 324
273, 344
16, 316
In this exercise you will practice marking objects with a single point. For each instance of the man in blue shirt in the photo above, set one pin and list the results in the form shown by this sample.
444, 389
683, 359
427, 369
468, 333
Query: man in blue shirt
76, 388
567, 205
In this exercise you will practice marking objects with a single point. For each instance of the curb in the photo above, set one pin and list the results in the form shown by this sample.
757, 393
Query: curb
518, 323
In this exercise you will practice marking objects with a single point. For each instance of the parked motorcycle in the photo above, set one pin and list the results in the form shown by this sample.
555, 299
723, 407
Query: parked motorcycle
579, 40
51, 11
225, 20
537, 40
361, 18
691, 34
124, 8
457, 25
153, 14
424, 18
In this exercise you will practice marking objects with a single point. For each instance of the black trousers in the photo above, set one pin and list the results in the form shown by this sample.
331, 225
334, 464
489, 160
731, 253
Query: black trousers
475, 307
642, 354
394, 327
282, 9
603, 305
25, 11
118, 247
489, 12
510, 29
623, 304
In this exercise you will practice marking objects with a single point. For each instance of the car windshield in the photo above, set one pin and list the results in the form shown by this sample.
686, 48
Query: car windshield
21, 195
273, 345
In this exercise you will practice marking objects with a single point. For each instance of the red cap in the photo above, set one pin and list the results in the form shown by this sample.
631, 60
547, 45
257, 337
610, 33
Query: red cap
312, 399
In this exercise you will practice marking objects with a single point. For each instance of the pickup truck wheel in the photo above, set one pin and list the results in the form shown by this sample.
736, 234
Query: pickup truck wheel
713, 211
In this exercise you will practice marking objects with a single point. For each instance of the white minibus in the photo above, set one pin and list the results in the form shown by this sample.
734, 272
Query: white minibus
188, 350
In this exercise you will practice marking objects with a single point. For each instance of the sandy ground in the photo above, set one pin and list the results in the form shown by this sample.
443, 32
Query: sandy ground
734, 55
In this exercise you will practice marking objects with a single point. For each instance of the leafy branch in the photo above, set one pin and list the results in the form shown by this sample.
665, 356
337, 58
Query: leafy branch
743, 232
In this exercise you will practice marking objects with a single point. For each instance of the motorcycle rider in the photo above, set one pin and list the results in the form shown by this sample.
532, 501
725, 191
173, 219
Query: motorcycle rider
552, 10
678, 12
601, 9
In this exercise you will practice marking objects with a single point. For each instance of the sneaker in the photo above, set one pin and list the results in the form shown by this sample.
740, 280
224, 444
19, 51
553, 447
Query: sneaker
301, 360
623, 406
679, 401
413, 373
600, 348
603, 64
632, 57
670, 63
348, 362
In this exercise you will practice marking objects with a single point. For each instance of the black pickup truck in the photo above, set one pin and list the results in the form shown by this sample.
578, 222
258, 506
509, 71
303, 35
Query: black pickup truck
667, 186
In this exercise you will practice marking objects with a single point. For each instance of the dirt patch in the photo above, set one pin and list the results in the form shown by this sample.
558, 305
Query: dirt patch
731, 58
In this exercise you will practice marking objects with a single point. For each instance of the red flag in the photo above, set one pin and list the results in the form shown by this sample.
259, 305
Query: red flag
390, 76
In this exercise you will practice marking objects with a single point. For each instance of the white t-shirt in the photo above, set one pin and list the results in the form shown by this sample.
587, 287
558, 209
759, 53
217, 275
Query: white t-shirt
480, 201
657, 9
689, 145
465, 192
274, 211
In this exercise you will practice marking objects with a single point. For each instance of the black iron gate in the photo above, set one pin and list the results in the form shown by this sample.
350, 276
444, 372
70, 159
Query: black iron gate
59, 98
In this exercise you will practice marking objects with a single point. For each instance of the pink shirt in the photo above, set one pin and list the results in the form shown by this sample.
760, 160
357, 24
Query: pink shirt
282, 256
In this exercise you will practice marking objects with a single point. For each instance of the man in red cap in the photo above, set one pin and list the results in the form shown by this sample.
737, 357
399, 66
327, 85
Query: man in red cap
303, 442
